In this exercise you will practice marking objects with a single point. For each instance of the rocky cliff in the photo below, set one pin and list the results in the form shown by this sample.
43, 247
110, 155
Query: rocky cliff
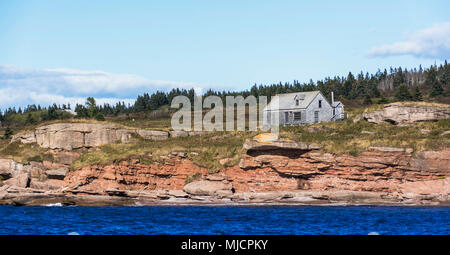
69, 136
285, 174
400, 113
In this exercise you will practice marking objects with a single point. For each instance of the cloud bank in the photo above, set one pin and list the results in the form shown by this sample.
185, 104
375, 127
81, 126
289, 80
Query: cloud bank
432, 42
23, 86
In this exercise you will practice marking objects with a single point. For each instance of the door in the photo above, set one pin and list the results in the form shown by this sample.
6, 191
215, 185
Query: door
316, 117
286, 117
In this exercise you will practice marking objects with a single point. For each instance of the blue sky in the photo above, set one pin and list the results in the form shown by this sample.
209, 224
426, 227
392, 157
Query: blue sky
59, 51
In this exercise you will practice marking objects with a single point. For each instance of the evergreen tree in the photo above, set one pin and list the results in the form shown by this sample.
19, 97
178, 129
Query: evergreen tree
367, 100
431, 80
383, 100
402, 93
8, 133
91, 107
30, 119
416, 95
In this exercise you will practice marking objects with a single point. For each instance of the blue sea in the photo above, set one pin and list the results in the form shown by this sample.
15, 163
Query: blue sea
298, 220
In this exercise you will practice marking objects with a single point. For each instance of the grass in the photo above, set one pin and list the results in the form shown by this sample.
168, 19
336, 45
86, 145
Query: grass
200, 149
24, 153
347, 137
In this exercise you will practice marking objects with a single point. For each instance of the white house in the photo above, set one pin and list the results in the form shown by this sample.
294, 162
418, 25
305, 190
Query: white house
302, 108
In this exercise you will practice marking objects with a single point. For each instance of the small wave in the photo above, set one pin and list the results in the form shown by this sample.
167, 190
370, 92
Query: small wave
55, 204
373, 234
73, 234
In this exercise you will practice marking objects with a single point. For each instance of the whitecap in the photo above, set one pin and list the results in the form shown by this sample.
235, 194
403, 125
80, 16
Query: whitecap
373, 234
55, 204
73, 234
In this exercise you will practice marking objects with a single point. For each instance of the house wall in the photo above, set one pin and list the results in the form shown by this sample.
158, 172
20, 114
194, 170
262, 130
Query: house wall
307, 115
339, 111
291, 120
325, 112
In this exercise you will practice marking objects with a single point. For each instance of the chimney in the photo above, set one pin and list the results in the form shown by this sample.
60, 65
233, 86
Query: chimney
332, 98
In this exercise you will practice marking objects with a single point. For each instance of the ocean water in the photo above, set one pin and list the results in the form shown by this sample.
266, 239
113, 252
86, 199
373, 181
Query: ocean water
300, 220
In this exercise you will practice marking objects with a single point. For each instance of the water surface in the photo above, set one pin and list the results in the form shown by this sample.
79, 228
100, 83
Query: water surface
299, 220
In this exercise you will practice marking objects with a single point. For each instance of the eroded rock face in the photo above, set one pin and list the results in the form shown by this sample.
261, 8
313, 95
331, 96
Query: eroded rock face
9, 168
57, 174
397, 113
370, 171
133, 176
32, 175
22, 180
254, 145
69, 136
283, 173
207, 188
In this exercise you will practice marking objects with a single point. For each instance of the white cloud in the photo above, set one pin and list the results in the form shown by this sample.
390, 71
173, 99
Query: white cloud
22, 86
432, 42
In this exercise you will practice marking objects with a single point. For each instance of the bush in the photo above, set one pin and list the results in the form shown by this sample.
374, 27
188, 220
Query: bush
8, 133
367, 100
41, 157
100, 117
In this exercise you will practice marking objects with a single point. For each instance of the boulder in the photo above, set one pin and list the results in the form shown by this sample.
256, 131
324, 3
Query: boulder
216, 177
178, 194
397, 113
445, 133
9, 168
278, 144
206, 187
390, 149
425, 131
57, 174
179, 134
22, 180
47, 185
29, 137
152, 134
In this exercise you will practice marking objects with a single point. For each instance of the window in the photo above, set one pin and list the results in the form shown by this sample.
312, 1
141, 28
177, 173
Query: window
286, 117
297, 102
320, 103
297, 116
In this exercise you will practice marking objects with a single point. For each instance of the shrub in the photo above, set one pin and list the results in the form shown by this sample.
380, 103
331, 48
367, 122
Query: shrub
100, 117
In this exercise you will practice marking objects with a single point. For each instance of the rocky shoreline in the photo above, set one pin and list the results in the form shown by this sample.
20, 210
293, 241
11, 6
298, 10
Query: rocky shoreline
278, 172
301, 198
264, 177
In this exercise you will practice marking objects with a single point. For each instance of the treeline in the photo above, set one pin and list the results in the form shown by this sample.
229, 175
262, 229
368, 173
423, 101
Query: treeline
402, 84
33, 114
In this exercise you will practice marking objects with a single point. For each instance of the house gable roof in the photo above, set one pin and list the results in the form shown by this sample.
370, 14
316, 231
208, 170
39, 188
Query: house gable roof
288, 101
